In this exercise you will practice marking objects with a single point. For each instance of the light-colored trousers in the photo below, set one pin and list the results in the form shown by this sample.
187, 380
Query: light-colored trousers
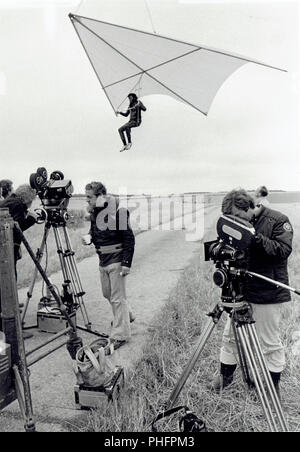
267, 319
114, 290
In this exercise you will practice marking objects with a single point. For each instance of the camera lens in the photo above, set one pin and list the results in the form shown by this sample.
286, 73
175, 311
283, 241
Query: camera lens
220, 278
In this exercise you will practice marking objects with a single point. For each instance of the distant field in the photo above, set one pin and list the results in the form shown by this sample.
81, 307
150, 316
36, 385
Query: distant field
78, 202
274, 197
144, 216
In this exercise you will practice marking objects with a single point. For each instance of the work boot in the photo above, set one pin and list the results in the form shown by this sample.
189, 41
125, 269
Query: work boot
276, 379
224, 379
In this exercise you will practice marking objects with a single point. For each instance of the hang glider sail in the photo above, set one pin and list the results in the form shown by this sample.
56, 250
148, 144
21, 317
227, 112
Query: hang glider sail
127, 60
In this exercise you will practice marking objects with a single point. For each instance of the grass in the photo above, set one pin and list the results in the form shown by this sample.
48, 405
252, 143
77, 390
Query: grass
178, 327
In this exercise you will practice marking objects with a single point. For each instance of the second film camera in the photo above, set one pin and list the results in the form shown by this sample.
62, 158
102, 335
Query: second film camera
54, 194
230, 253
235, 237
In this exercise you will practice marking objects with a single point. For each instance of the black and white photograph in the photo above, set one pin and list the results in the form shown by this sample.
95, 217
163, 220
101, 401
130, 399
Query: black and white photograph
149, 218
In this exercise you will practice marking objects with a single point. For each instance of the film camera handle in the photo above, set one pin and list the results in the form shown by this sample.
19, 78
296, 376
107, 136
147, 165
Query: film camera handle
272, 281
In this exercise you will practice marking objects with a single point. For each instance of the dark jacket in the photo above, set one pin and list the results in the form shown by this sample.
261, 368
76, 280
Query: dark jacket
110, 225
19, 212
269, 257
135, 112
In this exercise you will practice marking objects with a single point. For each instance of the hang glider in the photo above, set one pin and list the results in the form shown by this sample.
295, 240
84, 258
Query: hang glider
127, 60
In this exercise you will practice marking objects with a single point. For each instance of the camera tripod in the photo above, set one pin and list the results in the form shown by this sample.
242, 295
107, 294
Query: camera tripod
251, 358
72, 294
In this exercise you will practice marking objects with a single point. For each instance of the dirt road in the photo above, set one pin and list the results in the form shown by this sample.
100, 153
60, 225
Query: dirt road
159, 259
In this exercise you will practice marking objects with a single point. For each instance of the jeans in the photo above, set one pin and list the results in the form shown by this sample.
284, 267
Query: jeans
127, 129
113, 289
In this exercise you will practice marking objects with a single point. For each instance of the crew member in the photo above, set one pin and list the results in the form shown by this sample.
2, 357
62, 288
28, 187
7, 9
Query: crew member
114, 241
261, 194
6, 188
18, 204
135, 111
273, 245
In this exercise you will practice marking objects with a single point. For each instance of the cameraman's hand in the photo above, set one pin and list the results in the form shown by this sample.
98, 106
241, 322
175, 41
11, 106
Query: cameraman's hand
33, 215
124, 271
258, 238
86, 239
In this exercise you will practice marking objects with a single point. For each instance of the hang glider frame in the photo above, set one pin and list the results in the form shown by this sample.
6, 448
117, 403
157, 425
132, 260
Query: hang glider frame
142, 71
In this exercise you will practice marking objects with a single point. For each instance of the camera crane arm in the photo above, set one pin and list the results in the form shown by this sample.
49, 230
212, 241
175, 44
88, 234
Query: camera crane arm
272, 281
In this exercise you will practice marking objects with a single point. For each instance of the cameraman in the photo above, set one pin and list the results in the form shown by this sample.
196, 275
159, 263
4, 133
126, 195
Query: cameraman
6, 188
114, 241
272, 247
18, 204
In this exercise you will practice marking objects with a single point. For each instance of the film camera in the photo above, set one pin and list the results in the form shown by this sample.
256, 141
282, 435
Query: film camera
235, 238
54, 194
230, 253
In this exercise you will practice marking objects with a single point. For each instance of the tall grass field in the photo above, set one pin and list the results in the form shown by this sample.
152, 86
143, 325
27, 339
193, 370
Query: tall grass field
177, 330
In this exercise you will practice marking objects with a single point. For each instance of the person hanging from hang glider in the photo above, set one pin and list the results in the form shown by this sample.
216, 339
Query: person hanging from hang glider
135, 111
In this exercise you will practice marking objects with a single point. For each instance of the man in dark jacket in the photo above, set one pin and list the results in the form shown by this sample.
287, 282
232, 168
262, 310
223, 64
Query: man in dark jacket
272, 247
114, 241
18, 204
135, 111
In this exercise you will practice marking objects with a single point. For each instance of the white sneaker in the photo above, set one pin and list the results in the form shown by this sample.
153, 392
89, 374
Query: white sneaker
123, 148
128, 146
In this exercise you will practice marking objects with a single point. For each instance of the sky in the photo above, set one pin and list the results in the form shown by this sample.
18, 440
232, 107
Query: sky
53, 112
